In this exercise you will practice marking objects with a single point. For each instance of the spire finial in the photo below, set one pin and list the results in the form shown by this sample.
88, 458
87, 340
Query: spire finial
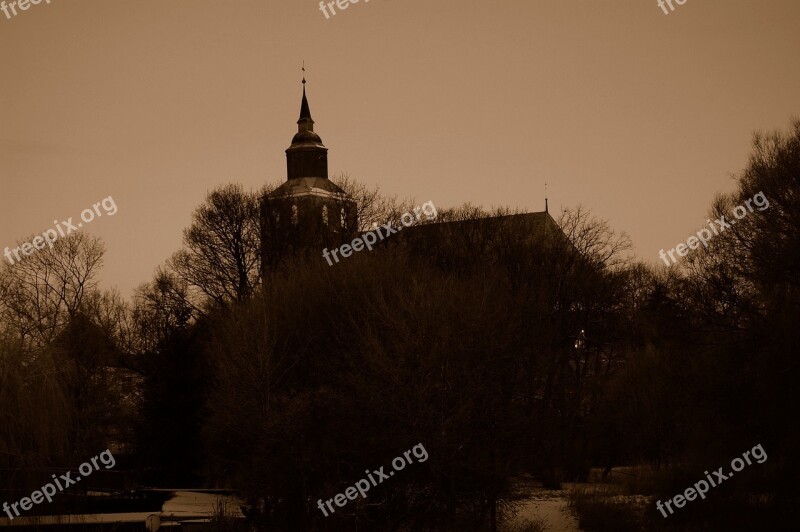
545, 196
304, 72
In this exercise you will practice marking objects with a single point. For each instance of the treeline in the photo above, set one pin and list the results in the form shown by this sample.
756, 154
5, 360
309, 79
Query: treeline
507, 347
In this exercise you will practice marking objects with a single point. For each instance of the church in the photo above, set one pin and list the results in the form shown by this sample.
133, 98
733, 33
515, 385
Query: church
309, 212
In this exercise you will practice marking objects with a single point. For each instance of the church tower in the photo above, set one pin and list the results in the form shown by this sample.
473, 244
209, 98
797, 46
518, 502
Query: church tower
308, 212
307, 156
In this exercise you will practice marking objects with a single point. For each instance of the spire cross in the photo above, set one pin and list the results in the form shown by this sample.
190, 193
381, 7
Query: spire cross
304, 72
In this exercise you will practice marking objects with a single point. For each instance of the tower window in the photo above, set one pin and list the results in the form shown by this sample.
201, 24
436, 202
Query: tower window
325, 214
342, 220
295, 217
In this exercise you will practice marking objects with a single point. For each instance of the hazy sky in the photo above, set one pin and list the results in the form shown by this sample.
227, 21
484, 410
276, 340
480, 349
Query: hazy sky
639, 116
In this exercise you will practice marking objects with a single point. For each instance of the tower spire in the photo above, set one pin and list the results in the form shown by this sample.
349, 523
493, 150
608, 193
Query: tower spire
305, 123
307, 156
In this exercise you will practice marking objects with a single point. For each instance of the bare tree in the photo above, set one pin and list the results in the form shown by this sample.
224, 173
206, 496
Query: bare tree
42, 292
160, 308
222, 257
371, 206
593, 239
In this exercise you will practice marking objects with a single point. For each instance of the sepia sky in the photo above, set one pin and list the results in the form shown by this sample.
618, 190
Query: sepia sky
639, 116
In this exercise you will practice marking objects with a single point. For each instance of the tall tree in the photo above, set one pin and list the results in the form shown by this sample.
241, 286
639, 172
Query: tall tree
221, 257
43, 291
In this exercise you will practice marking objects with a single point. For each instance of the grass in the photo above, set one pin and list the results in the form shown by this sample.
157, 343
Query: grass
532, 525
625, 503
602, 508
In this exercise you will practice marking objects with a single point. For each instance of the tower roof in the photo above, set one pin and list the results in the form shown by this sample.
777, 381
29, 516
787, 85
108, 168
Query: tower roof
305, 112
307, 156
305, 125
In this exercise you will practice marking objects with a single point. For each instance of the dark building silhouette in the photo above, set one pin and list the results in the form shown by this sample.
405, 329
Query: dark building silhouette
308, 211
